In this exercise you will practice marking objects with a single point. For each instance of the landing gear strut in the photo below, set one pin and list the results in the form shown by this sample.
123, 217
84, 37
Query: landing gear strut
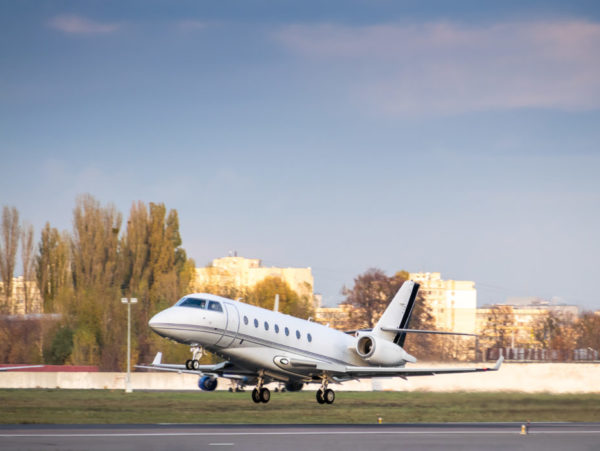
324, 394
194, 362
260, 393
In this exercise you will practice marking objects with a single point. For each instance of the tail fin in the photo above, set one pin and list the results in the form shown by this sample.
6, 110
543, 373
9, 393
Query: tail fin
398, 312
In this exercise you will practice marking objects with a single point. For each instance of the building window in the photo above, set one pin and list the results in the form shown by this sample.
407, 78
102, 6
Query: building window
255, 322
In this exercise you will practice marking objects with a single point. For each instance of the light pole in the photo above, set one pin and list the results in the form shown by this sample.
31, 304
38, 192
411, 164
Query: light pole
128, 301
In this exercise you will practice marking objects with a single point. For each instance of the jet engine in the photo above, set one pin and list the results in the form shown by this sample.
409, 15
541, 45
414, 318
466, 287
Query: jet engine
378, 351
293, 386
207, 383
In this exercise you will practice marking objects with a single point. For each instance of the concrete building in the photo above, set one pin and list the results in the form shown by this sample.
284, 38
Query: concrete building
241, 272
22, 289
453, 303
335, 317
522, 314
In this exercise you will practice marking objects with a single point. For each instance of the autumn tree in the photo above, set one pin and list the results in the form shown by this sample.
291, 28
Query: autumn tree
9, 241
27, 261
371, 294
95, 311
263, 295
156, 270
499, 327
53, 269
588, 327
555, 331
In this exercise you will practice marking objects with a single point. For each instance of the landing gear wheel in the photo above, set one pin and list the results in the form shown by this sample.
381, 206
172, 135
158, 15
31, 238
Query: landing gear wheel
256, 396
265, 395
320, 398
195, 364
329, 396
189, 364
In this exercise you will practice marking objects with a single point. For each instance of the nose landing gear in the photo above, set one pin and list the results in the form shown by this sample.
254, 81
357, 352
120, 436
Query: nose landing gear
194, 362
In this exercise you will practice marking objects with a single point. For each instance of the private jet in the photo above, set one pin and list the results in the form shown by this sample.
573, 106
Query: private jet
261, 346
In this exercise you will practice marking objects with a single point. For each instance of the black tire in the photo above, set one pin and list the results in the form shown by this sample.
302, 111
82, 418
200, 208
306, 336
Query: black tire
265, 395
320, 398
195, 364
329, 396
188, 364
230, 390
255, 396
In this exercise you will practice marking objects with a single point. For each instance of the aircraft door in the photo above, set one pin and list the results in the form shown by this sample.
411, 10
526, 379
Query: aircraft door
233, 326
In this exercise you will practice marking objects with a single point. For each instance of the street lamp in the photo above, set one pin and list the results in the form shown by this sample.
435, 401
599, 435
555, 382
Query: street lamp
128, 301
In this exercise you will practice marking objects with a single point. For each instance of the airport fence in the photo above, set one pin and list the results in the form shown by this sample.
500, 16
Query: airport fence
543, 355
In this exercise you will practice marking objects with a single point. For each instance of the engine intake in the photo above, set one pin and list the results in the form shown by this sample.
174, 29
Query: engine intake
378, 351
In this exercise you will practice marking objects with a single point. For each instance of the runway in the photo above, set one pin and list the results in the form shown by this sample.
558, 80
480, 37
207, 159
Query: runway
385, 437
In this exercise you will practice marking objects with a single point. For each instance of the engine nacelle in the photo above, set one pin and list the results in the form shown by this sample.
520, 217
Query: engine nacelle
293, 386
378, 351
207, 383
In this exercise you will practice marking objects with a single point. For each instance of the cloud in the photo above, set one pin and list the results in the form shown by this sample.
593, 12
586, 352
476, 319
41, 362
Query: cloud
74, 24
450, 68
191, 25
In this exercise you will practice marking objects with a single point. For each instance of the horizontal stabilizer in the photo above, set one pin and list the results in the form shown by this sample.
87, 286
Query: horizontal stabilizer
418, 331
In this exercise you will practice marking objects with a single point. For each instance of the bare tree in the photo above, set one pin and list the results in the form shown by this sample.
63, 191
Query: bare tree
9, 242
499, 327
28, 261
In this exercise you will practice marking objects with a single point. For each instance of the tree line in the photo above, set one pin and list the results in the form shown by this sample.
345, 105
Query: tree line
82, 275
553, 330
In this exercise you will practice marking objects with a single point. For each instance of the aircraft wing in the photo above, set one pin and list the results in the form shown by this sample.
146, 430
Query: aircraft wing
369, 371
222, 369
25, 367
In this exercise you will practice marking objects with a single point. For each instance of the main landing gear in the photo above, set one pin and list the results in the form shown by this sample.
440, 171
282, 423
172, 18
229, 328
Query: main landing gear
260, 393
194, 362
325, 395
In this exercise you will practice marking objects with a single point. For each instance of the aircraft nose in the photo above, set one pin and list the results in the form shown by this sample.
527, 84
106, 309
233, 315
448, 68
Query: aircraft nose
155, 320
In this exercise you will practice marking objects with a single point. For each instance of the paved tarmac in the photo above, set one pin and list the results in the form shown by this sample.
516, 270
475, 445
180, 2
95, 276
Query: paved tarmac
385, 437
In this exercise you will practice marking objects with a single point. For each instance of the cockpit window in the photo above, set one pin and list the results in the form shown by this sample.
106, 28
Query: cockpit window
215, 306
192, 302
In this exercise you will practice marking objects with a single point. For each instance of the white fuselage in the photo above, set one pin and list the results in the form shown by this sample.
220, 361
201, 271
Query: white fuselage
255, 338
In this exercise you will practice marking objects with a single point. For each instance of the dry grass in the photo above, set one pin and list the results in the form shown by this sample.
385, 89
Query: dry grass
104, 406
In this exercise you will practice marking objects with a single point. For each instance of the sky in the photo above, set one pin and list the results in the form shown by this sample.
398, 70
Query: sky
454, 137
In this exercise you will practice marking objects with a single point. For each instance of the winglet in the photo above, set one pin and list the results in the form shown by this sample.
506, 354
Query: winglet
498, 363
157, 359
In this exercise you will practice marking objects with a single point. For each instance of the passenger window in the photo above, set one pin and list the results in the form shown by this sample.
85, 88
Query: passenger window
255, 322
287, 331
215, 306
298, 334
246, 320
276, 329
266, 326
192, 302
309, 338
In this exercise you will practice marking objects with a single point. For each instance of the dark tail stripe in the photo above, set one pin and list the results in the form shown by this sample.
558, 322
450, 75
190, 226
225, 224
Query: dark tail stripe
401, 336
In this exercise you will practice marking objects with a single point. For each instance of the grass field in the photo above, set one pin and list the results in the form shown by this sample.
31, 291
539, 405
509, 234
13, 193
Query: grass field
104, 406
